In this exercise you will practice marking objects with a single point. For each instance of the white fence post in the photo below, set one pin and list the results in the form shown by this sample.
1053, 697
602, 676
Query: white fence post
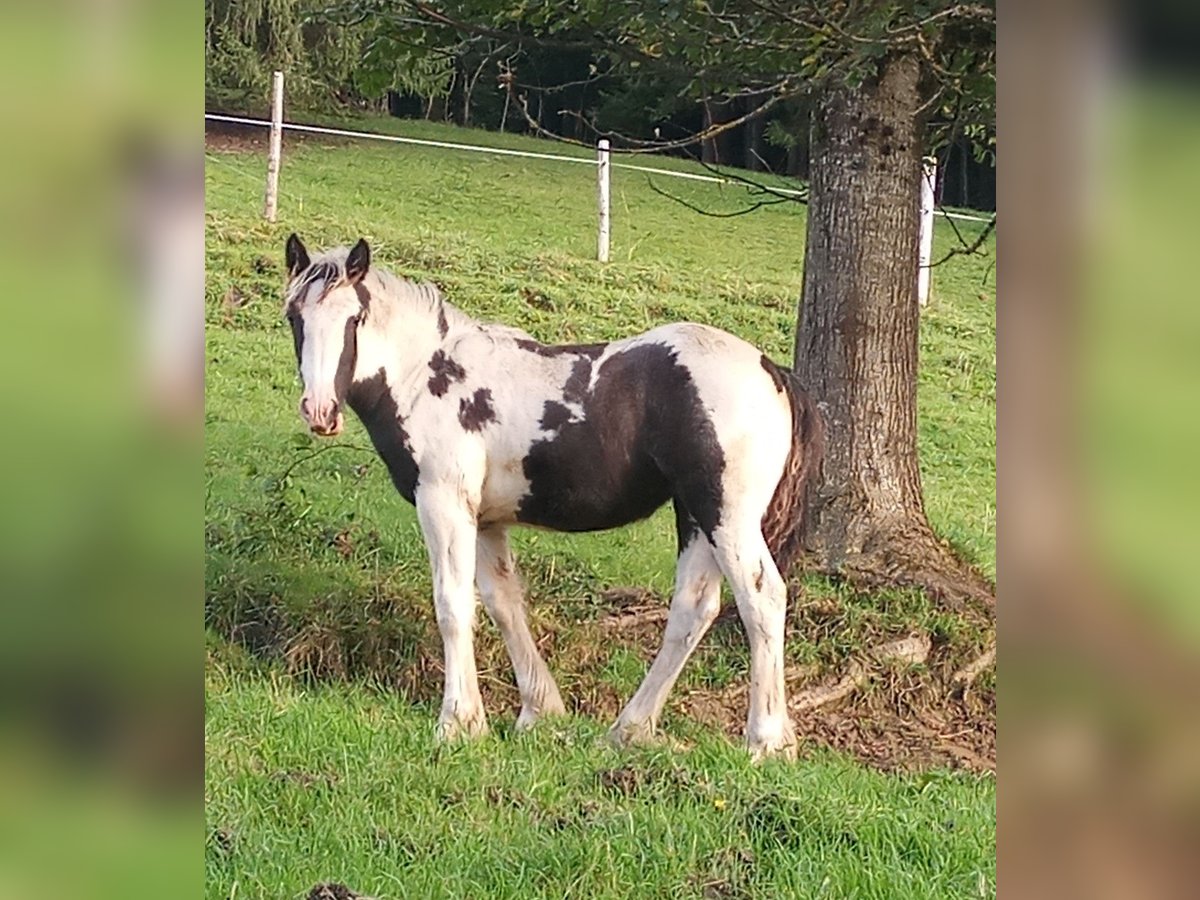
925, 255
276, 147
602, 170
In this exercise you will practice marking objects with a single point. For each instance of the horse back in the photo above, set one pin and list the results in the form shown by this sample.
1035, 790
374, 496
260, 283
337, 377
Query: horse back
630, 428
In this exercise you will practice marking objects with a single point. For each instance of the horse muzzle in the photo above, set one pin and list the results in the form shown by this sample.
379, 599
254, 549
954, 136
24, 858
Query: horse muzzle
324, 419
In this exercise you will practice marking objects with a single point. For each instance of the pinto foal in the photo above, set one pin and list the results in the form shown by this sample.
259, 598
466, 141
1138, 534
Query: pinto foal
483, 428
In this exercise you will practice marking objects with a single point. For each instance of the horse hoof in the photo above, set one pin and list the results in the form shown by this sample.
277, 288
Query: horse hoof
781, 747
530, 716
632, 734
452, 729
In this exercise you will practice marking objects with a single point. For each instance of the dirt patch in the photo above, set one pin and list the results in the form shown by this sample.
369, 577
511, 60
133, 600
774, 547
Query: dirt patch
624, 781
893, 720
223, 839
306, 779
903, 702
229, 137
236, 137
729, 875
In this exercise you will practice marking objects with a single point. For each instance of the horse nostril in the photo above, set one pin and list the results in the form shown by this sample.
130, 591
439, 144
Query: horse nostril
334, 409
305, 408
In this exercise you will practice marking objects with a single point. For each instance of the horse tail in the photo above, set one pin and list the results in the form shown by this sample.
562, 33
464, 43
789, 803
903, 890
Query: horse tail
783, 522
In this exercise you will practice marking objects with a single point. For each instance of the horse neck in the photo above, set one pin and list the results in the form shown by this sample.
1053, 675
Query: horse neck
406, 332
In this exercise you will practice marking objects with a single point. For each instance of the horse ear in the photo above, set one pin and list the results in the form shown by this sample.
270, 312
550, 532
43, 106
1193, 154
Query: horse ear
358, 262
296, 255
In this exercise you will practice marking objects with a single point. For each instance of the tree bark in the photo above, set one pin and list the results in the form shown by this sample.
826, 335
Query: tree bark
856, 347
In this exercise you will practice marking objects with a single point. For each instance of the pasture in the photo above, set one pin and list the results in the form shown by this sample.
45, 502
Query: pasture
323, 657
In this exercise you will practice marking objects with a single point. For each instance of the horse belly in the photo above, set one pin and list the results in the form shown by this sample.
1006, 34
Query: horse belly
578, 484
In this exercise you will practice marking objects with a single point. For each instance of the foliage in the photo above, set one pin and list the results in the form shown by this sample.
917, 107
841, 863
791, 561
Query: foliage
388, 64
246, 41
768, 50
638, 72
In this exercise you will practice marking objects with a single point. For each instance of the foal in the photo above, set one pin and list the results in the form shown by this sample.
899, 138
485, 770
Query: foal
483, 428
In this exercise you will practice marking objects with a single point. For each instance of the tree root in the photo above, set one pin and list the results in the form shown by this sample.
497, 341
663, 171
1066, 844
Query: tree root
634, 617
915, 558
910, 650
965, 677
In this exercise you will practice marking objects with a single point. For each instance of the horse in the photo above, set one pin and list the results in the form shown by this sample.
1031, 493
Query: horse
483, 428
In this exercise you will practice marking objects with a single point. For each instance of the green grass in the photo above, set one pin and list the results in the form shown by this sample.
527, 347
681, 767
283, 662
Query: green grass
317, 565
346, 784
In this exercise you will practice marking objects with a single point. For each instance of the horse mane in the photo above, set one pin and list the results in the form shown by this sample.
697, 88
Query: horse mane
388, 291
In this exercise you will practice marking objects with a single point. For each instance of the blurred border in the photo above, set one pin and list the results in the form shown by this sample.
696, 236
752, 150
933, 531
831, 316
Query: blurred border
102, 353
1099, 776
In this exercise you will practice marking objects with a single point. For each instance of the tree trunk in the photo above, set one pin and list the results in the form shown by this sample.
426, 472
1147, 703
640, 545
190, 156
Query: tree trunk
795, 162
798, 154
965, 198
470, 88
708, 146
715, 150
856, 347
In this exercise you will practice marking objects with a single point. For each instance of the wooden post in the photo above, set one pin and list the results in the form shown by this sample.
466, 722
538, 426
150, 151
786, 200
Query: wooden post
603, 169
925, 257
276, 147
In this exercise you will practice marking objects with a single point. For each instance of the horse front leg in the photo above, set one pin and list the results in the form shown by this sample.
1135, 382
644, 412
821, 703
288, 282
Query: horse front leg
448, 525
500, 588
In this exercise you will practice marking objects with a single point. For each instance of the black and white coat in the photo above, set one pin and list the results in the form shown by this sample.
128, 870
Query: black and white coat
484, 428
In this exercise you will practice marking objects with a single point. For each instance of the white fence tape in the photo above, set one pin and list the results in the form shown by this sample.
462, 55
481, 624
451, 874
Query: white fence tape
501, 151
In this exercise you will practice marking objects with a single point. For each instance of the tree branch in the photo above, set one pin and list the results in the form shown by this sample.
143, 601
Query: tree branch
966, 249
754, 186
714, 215
786, 90
281, 480
440, 18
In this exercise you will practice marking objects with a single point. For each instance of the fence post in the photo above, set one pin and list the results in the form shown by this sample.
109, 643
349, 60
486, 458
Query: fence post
276, 147
925, 255
602, 171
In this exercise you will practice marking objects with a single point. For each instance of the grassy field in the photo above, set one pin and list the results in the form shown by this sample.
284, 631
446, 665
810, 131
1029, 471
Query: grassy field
344, 784
323, 669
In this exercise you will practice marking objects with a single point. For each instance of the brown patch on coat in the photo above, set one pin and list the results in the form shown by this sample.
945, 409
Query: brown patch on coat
576, 386
554, 416
473, 414
445, 370
591, 351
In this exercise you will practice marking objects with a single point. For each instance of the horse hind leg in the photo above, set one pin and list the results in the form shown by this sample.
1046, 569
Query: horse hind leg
761, 597
694, 605
501, 592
